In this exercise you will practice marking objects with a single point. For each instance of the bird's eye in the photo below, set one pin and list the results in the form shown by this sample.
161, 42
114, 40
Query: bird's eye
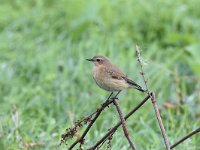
98, 60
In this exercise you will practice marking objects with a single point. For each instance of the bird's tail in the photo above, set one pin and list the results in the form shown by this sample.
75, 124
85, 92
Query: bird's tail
140, 89
135, 85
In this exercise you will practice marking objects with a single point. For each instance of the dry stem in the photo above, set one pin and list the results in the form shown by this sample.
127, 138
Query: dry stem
124, 124
153, 101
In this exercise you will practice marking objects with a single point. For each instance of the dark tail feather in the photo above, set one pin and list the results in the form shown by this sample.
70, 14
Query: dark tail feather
135, 85
142, 90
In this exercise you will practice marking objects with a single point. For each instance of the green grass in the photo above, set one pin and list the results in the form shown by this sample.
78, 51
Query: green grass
46, 84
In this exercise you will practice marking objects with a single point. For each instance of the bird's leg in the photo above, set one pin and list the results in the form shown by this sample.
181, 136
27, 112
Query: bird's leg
107, 101
109, 96
115, 97
117, 93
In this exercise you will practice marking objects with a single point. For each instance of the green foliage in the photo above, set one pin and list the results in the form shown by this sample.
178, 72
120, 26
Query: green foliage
46, 84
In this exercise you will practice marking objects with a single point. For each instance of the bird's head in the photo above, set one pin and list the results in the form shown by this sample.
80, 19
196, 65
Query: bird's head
99, 60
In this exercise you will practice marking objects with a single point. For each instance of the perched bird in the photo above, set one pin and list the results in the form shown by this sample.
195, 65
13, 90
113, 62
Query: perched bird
110, 78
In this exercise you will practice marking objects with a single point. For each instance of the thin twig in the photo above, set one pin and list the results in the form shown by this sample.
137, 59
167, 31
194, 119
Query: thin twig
90, 116
141, 67
153, 101
186, 137
124, 124
112, 130
104, 105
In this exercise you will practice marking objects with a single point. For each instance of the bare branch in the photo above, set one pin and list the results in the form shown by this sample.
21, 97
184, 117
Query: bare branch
124, 124
153, 101
185, 138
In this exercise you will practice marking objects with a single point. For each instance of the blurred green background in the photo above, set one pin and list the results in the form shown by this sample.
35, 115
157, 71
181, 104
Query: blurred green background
46, 84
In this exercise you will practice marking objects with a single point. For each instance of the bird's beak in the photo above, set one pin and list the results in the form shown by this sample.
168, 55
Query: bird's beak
89, 59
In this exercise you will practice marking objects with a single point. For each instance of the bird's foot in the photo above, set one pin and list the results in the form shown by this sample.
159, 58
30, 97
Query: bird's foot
113, 98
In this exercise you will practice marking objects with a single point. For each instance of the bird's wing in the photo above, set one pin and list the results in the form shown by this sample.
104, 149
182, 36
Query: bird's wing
116, 73
135, 85
131, 82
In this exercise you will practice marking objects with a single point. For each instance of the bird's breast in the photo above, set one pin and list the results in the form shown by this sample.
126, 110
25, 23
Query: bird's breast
99, 74
100, 77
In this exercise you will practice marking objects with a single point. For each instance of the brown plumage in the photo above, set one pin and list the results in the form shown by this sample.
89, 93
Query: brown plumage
109, 77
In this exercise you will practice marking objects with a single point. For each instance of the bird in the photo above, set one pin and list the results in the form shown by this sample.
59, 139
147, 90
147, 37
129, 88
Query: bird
109, 77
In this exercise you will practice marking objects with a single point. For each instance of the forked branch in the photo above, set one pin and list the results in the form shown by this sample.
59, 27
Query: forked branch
113, 129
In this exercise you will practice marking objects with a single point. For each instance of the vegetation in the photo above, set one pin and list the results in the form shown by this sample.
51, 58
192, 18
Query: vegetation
46, 84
